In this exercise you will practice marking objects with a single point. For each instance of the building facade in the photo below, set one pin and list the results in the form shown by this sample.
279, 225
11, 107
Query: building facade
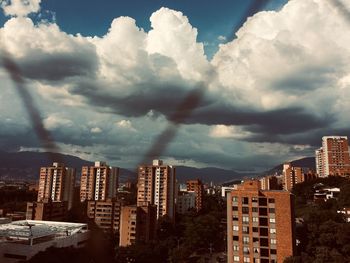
98, 182
47, 211
333, 159
269, 183
260, 224
56, 183
185, 201
137, 224
106, 214
196, 186
156, 186
291, 176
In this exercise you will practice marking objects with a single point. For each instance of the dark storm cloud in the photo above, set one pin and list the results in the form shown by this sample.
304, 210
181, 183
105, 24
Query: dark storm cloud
55, 67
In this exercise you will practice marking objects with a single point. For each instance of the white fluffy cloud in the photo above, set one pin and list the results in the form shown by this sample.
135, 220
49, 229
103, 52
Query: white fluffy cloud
285, 79
20, 7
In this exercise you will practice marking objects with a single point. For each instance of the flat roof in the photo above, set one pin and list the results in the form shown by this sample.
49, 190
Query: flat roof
31, 229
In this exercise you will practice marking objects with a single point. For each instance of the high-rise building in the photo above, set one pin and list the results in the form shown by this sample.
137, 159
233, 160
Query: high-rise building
156, 186
291, 176
137, 224
98, 182
106, 214
56, 183
269, 183
333, 159
260, 224
196, 186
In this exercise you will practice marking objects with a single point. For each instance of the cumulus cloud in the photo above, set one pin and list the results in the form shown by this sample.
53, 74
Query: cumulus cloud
284, 79
20, 7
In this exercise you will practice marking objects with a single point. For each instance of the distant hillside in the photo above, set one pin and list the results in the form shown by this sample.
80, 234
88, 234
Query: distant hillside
307, 162
210, 174
26, 165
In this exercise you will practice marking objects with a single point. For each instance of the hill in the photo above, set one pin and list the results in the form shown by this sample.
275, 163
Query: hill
307, 162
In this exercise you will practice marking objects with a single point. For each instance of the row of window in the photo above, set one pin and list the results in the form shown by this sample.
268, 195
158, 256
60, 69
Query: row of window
263, 221
261, 211
263, 230
263, 241
260, 200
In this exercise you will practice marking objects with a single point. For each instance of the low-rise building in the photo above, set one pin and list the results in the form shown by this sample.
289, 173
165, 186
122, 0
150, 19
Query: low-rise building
185, 201
21, 240
47, 211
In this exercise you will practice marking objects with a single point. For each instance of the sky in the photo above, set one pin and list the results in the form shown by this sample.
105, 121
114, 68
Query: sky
108, 76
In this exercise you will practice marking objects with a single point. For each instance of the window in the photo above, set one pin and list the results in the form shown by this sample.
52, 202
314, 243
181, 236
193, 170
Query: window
236, 258
245, 219
255, 229
245, 200
255, 219
273, 241
264, 242
245, 210
273, 251
255, 209
246, 250
235, 218
272, 220
272, 210
264, 252
254, 199
255, 239
234, 199
262, 201
263, 211
262, 221
235, 228
235, 238
263, 232
235, 248
245, 230
273, 230
246, 259
234, 208
271, 200
245, 240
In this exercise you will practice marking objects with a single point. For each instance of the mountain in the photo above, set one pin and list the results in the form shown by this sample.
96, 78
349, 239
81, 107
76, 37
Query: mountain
307, 162
26, 165
210, 174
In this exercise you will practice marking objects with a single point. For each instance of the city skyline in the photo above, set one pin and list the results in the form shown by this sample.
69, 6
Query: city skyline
270, 96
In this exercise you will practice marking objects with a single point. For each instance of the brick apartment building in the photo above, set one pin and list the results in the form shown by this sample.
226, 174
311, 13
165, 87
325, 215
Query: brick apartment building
260, 224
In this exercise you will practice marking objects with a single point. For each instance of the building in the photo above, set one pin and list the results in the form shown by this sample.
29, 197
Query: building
333, 159
47, 211
291, 176
137, 224
98, 182
156, 186
260, 224
56, 183
21, 240
185, 201
269, 183
227, 189
106, 214
196, 186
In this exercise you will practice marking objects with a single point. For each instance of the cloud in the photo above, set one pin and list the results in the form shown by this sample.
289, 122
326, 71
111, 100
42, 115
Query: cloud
20, 7
283, 80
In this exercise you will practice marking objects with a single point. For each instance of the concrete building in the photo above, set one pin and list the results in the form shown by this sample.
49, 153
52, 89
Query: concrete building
21, 240
269, 183
137, 224
260, 224
47, 211
56, 183
98, 182
106, 214
196, 186
156, 186
291, 176
185, 201
227, 189
333, 159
